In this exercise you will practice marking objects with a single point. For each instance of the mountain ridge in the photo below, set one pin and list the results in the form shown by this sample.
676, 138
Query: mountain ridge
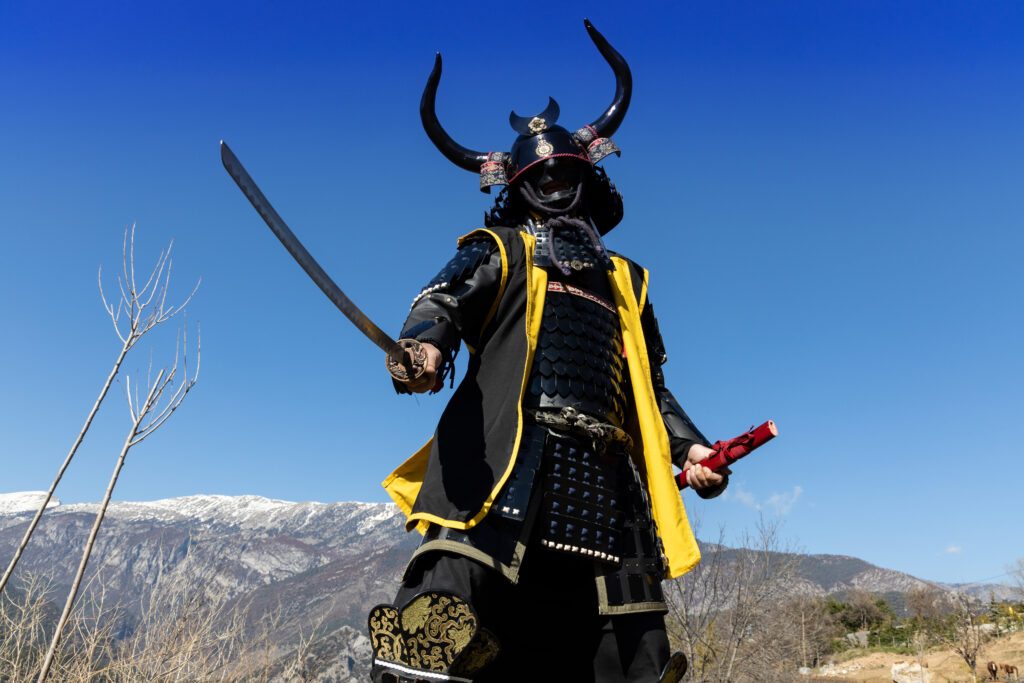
305, 562
833, 572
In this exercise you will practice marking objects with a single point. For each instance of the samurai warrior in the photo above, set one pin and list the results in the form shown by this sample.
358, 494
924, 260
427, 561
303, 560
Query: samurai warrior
546, 496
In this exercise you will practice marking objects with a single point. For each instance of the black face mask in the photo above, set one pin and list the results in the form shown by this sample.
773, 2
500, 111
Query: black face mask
555, 185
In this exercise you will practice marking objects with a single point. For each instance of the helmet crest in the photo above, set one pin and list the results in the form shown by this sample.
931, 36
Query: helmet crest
539, 136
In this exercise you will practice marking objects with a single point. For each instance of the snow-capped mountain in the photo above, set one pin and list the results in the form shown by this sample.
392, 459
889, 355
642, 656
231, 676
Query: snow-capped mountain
329, 562
24, 501
325, 562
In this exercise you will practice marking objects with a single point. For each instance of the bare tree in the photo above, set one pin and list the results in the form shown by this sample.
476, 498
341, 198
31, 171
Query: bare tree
927, 611
22, 633
299, 668
139, 310
925, 605
724, 613
186, 631
806, 628
1016, 571
24, 613
149, 411
967, 637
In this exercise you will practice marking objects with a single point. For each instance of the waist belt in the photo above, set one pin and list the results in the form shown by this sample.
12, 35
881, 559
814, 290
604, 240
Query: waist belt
570, 421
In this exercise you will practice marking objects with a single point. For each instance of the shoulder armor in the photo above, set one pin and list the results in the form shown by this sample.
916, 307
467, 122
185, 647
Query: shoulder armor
655, 342
467, 259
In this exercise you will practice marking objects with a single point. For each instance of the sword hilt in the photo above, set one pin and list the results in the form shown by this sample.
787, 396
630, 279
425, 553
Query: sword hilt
410, 362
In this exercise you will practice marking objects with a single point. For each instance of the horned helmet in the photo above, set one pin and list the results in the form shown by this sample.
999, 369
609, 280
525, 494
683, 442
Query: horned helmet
546, 161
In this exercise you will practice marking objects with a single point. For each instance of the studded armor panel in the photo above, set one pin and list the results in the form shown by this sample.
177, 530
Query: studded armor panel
581, 510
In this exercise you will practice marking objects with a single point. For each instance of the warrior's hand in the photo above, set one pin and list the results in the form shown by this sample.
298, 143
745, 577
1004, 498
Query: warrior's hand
698, 476
426, 381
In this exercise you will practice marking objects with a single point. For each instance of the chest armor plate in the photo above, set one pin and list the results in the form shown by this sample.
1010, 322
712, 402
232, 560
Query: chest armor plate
579, 360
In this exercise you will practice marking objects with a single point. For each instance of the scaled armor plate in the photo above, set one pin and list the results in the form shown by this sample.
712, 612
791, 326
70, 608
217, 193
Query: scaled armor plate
579, 360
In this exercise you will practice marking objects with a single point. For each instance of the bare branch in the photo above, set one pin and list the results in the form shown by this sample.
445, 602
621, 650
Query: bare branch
124, 251
174, 311
163, 295
115, 315
131, 255
725, 612
144, 310
125, 299
158, 269
174, 401
132, 306
1016, 571
128, 395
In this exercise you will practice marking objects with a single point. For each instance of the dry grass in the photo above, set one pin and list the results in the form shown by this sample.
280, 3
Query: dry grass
945, 665
183, 635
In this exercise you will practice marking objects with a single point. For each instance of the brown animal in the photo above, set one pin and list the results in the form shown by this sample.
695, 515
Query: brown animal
993, 671
1010, 669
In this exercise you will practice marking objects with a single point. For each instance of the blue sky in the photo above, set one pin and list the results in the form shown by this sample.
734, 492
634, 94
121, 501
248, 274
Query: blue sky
827, 194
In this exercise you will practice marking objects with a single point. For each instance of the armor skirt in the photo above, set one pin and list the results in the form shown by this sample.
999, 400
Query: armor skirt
567, 563
546, 626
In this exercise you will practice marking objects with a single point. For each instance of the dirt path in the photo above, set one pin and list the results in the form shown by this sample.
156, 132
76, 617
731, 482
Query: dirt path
946, 667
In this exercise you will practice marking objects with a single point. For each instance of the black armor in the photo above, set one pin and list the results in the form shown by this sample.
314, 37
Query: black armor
465, 262
579, 361
574, 497
570, 494
572, 247
462, 291
582, 499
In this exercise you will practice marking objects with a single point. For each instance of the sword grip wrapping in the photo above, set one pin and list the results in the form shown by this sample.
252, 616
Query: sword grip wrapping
410, 361
725, 453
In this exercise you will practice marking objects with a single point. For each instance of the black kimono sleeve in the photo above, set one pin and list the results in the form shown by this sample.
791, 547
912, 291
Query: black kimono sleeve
682, 432
453, 306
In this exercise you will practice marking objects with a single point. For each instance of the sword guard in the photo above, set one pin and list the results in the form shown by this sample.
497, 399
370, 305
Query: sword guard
411, 360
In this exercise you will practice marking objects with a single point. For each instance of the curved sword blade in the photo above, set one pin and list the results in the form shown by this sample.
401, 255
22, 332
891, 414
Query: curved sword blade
277, 225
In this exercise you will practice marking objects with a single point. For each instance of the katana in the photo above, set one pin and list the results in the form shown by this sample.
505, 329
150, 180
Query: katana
405, 358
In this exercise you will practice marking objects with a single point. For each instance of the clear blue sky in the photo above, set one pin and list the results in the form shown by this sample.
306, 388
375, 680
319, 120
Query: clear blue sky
828, 195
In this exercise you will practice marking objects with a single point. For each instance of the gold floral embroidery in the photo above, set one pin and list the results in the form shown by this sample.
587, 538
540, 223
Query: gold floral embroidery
437, 627
385, 635
436, 632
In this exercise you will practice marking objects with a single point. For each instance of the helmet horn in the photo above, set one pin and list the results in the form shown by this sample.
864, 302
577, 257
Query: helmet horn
609, 121
463, 157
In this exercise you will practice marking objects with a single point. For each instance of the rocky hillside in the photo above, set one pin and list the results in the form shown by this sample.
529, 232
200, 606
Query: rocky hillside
307, 563
325, 563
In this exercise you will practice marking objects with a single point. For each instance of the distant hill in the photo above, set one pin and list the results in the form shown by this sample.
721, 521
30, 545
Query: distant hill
304, 560
334, 560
